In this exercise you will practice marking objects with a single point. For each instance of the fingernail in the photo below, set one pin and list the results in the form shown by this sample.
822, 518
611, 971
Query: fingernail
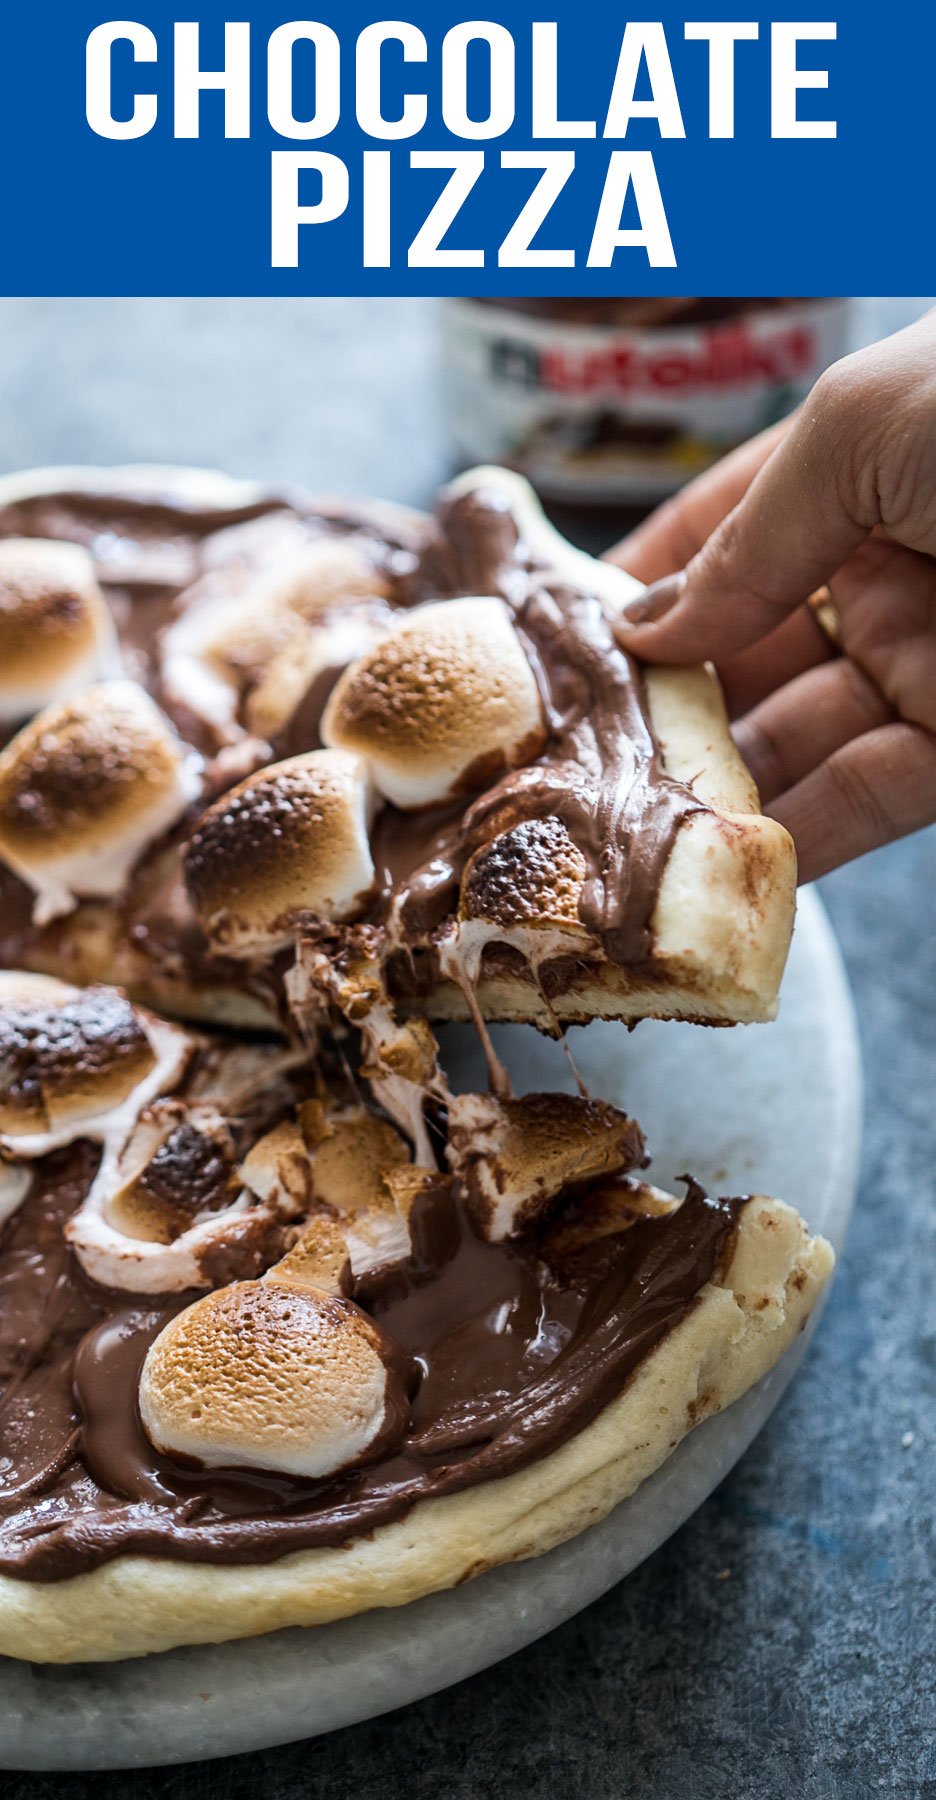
656, 602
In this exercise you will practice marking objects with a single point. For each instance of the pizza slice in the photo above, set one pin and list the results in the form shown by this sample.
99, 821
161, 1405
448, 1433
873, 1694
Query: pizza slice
358, 729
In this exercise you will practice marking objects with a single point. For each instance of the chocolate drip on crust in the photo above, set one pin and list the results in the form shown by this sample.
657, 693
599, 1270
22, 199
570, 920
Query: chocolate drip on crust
517, 1353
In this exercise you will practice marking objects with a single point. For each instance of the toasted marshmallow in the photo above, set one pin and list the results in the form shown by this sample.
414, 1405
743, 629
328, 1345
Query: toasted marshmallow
85, 788
246, 659
245, 1081
340, 1160
21, 987
86, 1064
165, 1208
400, 1062
289, 841
176, 1168
522, 890
15, 1179
69, 1059
440, 706
273, 1374
168, 1208
318, 1259
325, 575
312, 655
530, 876
353, 1150
56, 632
354, 1156
512, 1157
602, 1209
278, 1169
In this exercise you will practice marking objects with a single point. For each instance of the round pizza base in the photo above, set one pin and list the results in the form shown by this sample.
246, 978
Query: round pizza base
777, 1110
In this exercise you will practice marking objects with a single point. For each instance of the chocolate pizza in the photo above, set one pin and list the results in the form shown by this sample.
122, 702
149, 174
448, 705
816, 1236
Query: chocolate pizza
288, 1329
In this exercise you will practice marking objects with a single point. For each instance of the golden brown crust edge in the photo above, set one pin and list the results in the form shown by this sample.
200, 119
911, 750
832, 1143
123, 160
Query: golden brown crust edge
737, 1330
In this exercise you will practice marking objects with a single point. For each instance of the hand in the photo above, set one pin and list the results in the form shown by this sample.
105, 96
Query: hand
841, 738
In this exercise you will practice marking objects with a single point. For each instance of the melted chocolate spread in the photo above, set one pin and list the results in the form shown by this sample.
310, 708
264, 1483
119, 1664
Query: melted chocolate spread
514, 1355
509, 1357
600, 775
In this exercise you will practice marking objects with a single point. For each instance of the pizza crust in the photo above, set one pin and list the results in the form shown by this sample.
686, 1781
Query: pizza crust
738, 1328
142, 482
725, 908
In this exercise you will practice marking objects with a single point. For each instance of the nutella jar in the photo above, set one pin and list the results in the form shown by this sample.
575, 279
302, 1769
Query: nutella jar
618, 402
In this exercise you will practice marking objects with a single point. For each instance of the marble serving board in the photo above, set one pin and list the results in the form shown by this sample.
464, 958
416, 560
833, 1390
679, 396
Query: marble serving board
770, 1109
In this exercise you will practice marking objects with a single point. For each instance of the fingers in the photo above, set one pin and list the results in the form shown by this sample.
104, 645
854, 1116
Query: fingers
877, 788
886, 597
860, 454
805, 512
844, 752
676, 531
796, 645
802, 724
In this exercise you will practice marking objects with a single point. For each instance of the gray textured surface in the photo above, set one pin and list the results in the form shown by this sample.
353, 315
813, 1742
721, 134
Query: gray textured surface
807, 1670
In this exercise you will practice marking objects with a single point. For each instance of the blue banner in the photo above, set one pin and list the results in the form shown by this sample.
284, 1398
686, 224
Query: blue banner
512, 150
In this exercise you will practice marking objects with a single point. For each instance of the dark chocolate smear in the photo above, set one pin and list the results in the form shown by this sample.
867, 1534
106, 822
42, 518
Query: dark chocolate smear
601, 774
513, 1360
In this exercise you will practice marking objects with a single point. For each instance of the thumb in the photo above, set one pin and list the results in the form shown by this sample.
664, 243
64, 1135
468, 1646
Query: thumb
800, 519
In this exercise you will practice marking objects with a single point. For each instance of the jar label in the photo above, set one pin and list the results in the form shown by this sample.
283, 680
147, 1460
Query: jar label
606, 413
